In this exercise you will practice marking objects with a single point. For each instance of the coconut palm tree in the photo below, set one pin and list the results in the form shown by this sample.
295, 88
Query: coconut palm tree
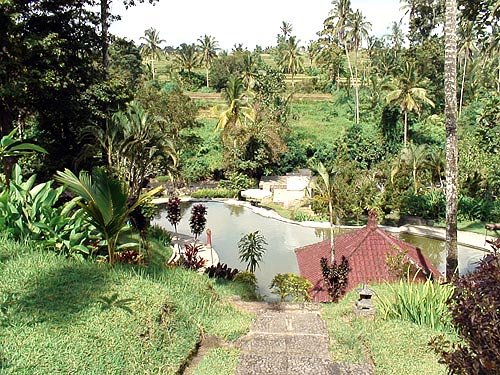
151, 48
324, 185
414, 157
208, 47
450, 93
236, 112
186, 57
357, 31
286, 28
249, 70
409, 95
336, 25
396, 37
292, 61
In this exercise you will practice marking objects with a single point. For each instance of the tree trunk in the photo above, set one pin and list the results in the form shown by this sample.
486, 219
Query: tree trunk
104, 35
332, 241
405, 130
450, 89
356, 85
351, 75
462, 88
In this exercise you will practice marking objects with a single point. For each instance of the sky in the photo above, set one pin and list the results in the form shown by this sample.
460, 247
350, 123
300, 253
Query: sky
231, 22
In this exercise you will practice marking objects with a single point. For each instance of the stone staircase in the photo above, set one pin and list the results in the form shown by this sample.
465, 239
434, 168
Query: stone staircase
288, 339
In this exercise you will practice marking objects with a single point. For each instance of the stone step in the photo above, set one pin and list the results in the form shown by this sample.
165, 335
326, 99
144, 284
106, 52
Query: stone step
306, 346
283, 364
279, 322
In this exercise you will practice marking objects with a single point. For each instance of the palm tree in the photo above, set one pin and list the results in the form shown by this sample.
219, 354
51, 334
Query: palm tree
324, 185
466, 51
134, 146
105, 202
358, 29
186, 57
208, 47
409, 95
151, 48
292, 60
414, 157
249, 70
286, 29
396, 37
312, 50
336, 24
450, 91
236, 113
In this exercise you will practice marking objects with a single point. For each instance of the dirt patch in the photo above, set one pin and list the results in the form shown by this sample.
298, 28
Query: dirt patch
207, 343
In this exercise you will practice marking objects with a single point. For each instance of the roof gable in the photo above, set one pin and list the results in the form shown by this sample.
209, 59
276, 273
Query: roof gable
367, 250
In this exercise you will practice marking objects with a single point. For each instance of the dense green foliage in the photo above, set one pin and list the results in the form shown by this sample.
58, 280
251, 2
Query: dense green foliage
290, 285
474, 308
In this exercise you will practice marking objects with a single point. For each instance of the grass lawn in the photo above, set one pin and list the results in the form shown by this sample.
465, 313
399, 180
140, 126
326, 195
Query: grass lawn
60, 316
395, 347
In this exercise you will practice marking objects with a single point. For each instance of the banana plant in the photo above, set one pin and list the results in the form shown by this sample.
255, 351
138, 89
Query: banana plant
104, 199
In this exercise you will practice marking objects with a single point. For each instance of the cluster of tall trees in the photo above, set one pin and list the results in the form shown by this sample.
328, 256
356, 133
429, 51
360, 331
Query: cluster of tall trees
90, 98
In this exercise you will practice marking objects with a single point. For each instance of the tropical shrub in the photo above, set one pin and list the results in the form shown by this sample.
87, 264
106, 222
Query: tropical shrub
215, 193
221, 271
160, 234
247, 278
335, 276
291, 285
252, 250
475, 313
301, 216
429, 205
173, 208
104, 200
29, 211
197, 221
237, 181
190, 259
420, 303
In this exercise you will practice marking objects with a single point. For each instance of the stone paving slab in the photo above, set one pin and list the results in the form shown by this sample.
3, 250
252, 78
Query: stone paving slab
283, 364
287, 344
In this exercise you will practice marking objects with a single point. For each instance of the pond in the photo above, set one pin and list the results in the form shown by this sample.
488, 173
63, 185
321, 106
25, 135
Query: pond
229, 223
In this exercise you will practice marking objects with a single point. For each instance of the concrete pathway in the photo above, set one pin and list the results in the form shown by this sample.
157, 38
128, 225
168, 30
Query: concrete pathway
291, 339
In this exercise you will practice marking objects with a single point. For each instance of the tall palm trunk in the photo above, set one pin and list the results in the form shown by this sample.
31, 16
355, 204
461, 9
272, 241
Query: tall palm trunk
352, 76
462, 88
450, 89
356, 85
405, 130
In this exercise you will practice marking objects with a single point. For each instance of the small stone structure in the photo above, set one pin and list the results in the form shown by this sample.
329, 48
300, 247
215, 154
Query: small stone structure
288, 189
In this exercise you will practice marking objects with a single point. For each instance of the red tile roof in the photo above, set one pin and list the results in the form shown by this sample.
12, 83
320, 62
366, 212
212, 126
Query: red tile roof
366, 249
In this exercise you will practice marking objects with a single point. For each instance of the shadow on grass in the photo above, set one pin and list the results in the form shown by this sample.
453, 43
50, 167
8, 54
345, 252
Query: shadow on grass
62, 292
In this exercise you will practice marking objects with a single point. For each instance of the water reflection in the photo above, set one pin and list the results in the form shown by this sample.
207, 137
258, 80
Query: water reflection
229, 223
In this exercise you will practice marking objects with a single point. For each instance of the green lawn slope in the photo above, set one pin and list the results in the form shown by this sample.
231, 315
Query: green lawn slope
60, 316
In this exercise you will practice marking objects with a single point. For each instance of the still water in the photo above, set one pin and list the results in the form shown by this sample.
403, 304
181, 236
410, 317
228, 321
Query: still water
229, 223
